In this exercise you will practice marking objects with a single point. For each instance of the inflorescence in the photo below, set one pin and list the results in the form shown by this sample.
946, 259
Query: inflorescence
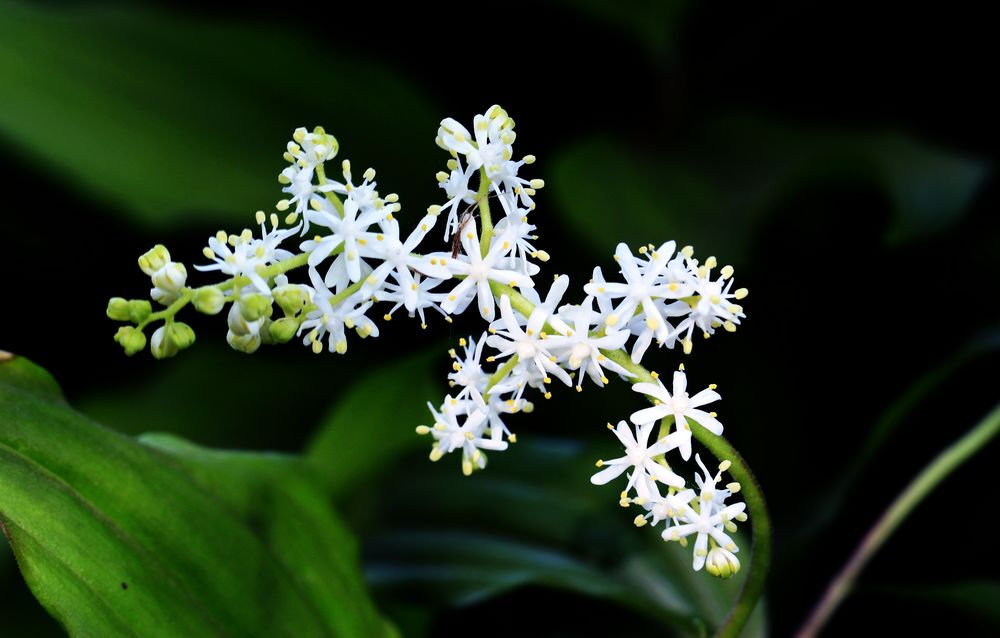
356, 257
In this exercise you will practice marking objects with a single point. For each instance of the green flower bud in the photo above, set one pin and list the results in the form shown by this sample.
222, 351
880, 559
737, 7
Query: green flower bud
254, 306
118, 309
290, 298
132, 339
209, 300
161, 346
283, 329
244, 343
722, 563
138, 310
180, 334
154, 259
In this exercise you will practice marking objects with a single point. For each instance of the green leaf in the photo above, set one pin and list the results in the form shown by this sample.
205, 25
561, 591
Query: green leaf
735, 171
533, 518
173, 119
118, 537
374, 422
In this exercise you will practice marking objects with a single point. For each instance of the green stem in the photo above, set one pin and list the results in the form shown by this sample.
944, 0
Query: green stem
760, 521
498, 376
920, 487
483, 197
169, 311
330, 195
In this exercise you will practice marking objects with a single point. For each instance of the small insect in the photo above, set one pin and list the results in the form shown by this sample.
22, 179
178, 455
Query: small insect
456, 239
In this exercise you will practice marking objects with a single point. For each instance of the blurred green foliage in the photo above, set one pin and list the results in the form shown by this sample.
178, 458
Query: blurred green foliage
191, 115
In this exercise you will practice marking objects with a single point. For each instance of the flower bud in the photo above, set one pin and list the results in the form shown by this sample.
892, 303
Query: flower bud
160, 345
180, 334
170, 277
131, 339
243, 343
153, 259
254, 306
722, 563
290, 298
138, 310
283, 329
118, 309
209, 300
240, 326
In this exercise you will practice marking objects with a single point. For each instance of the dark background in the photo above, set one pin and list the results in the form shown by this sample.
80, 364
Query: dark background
758, 129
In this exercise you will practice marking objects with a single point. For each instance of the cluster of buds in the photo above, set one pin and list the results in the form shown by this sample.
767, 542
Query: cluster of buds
356, 257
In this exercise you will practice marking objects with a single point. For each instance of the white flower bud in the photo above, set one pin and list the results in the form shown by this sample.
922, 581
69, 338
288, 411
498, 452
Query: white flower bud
722, 563
243, 343
171, 277
161, 346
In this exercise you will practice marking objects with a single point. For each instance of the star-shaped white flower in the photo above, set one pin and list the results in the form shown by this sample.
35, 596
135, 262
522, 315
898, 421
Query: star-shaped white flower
398, 258
426, 298
707, 518
528, 343
334, 317
456, 430
581, 350
346, 232
477, 272
681, 406
639, 456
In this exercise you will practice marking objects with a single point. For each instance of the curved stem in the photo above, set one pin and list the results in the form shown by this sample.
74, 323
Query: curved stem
910, 497
483, 197
760, 521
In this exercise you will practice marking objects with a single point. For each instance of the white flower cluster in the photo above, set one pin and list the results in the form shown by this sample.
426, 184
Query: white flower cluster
350, 240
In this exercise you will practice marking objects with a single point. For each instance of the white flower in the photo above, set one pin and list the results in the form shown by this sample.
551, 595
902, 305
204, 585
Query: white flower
641, 288
715, 303
529, 343
681, 406
491, 145
333, 317
298, 181
398, 258
661, 507
424, 297
168, 282
707, 518
582, 350
478, 271
518, 232
454, 430
513, 190
456, 187
639, 456
346, 232
236, 256
310, 149
467, 371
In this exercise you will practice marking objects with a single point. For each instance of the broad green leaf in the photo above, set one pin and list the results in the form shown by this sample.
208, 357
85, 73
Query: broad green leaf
172, 118
374, 422
653, 22
533, 518
118, 537
734, 171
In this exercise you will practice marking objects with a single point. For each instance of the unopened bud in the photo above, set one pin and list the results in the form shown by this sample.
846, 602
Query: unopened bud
722, 563
154, 259
243, 343
161, 346
180, 334
209, 300
118, 309
254, 306
138, 310
171, 277
131, 339
290, 298
283, 329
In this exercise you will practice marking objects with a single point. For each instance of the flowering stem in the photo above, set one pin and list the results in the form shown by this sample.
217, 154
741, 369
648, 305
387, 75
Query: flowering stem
498, 376
915, 492
483, 197
760, 522
169, 311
